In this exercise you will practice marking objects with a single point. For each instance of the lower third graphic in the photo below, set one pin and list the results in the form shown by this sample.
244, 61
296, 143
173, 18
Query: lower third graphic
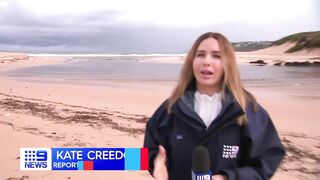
58, 159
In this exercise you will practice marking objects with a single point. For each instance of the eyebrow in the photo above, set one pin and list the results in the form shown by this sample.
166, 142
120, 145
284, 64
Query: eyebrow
203, 51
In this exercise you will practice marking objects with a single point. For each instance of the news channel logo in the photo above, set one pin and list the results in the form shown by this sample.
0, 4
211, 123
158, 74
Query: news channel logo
35, 159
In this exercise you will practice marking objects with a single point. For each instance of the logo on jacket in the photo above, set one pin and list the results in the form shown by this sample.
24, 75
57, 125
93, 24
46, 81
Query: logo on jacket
230, 152
179, 137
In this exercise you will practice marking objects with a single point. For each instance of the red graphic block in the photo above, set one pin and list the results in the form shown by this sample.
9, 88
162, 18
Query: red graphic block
144, 159
87, 165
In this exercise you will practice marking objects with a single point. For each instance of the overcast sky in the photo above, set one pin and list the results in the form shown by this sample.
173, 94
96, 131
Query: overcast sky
146, 26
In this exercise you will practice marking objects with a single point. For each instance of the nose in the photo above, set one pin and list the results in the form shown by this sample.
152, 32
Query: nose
206, 61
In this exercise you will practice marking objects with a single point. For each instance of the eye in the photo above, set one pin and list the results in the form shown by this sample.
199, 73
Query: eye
200, 55
216, 56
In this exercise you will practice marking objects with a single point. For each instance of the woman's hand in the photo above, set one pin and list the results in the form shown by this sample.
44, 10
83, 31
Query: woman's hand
219, 177
160, 171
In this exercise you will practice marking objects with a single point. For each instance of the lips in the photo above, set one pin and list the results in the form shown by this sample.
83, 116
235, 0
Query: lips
206, 72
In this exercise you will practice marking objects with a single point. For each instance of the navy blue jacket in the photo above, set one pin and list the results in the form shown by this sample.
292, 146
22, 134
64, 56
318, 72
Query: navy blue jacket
252, 151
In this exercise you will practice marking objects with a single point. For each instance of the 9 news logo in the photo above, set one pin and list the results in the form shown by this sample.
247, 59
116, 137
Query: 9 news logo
35, 159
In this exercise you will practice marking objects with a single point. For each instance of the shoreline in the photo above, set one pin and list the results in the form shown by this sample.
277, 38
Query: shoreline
11, 61
36, 114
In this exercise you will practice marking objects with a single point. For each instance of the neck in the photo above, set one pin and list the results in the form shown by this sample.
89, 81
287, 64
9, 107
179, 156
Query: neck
208, 90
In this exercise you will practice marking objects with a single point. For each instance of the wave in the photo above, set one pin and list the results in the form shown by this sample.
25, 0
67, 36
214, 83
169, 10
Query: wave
104, 55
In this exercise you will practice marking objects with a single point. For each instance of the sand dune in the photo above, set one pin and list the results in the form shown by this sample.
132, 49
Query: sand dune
281, 49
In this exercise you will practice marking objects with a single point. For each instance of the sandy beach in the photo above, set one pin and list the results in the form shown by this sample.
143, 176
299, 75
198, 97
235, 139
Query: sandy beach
36, 113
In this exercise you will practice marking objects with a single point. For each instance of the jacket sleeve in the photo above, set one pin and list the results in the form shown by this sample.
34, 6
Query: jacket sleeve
264, 150
152, 138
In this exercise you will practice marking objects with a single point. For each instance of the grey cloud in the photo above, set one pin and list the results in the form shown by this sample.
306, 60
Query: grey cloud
98, 32
101, 32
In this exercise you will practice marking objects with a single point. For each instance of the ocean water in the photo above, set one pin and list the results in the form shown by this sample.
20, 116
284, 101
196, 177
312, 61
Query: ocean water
103, 68
132, 67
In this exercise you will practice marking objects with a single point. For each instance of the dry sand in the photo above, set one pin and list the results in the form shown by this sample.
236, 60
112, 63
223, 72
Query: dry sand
276, 54
40, 114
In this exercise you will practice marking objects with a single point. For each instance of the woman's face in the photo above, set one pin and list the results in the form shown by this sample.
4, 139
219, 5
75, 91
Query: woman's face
207, 65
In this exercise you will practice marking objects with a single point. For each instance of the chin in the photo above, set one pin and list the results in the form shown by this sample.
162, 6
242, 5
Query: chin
208, 83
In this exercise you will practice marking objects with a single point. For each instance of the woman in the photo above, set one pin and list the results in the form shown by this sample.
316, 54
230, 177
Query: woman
210, 107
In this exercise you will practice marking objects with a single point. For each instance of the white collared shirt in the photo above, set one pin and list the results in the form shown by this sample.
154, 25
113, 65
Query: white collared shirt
207, 107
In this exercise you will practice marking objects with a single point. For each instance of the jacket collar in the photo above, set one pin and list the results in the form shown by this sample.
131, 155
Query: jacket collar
184, 109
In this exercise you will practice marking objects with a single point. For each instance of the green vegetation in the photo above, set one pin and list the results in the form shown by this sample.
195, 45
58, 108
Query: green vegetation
248, 46
304, 40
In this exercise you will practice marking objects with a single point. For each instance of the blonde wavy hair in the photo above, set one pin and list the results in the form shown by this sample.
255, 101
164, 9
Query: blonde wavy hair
231, 79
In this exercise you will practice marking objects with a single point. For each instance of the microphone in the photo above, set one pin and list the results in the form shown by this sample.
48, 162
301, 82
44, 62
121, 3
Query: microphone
201, 164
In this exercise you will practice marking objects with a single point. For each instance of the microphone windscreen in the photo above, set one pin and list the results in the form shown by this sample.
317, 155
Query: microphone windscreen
200, 160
